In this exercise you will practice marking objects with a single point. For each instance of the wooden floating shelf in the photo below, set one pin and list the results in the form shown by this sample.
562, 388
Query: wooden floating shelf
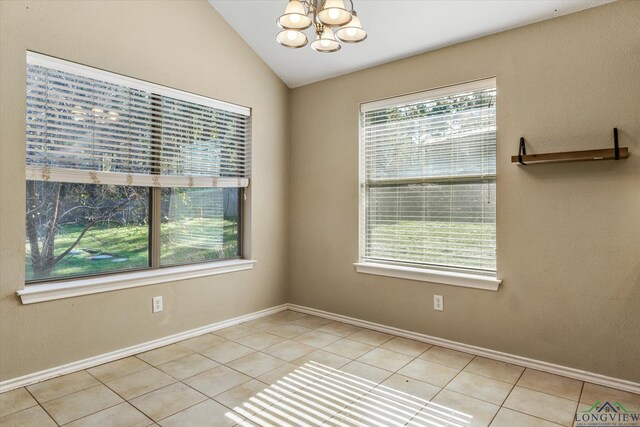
615, 153
573, 156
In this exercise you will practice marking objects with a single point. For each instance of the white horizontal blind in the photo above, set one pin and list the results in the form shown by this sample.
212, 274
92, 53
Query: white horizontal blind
123, 132
428, 165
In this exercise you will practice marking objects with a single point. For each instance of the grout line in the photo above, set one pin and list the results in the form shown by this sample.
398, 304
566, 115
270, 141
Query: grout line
305, 386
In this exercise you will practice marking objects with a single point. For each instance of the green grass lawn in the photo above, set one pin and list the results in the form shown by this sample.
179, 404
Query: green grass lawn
463, 244
129, 246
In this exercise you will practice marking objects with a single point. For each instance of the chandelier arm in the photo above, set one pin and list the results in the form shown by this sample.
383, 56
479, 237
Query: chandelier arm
351, 1
307, 4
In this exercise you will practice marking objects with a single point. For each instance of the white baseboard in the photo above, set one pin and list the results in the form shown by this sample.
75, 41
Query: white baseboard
125, 352
479, 351
565, 371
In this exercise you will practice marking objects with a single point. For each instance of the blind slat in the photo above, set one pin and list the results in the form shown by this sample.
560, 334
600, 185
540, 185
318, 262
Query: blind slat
119, 130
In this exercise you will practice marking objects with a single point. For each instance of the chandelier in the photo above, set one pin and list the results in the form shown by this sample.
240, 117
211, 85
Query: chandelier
331, 20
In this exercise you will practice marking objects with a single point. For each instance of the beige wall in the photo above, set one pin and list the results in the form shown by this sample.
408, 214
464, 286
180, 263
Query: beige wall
182, 44
568, 234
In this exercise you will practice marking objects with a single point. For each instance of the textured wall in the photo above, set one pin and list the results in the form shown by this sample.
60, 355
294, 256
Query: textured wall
182, 44
568, 235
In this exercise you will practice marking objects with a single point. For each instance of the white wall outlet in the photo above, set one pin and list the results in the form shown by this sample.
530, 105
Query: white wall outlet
438, 302
156, 304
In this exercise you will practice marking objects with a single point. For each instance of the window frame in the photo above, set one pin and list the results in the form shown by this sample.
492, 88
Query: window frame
465, 277
37, 290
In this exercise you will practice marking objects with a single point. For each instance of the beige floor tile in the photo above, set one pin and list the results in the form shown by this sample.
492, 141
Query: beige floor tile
338, 328
406, 390
289, 379
370, 337
479, 387
348, 348
445, 356
259, 340
323, 358
117, 416
32, 417
372, 410
140, 383
360, 375
551, 384
328, 395
225, 353
234, 332
256, 364
118, 369
202, 342
246, 398
294, 410
316, 338
188, 366
592, 393
288, 330
285, 316
542, 405
216, 380
385, 359
61, 386
205, 414
509, 418
454, 406
15, 400
164, 354
495, 369
80, 404
167, 401
289, 350
429, 372
263, 323
406, 346
311, 322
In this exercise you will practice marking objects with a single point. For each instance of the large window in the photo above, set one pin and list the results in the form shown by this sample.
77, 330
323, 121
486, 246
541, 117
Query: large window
126, 175
428, 179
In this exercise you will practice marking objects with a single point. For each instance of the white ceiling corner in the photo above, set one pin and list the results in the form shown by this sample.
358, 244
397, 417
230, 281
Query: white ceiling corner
397, 29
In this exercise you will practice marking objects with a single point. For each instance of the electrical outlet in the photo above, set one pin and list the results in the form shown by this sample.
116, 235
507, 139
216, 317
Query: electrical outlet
156, 304
438, 302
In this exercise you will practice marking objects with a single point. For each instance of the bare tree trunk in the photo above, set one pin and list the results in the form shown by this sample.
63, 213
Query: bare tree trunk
32, 231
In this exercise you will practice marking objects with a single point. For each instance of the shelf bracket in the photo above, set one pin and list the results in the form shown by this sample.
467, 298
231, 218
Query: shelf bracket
616, 149
522, 150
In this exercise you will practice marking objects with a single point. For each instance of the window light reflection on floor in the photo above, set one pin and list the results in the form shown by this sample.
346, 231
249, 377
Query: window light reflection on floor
315, 394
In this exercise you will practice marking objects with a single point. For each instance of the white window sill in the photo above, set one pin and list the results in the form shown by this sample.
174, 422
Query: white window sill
93, 285
434, 276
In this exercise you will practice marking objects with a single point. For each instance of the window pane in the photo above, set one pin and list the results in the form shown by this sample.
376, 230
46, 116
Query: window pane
199, 224
85, 229
446, 224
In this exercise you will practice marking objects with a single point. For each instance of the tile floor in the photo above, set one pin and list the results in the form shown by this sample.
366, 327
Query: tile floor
292, 369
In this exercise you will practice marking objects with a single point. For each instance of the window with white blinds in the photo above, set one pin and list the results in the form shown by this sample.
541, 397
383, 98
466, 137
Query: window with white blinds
126, 175
92, 126
428, 165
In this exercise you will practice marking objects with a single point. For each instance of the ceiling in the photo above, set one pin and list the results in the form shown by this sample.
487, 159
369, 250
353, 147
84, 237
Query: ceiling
397, 29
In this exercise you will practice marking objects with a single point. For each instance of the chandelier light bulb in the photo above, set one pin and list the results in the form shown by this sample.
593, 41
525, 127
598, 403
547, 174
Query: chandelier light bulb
326, 42
352, 32
295, 17
292, 38
334, 14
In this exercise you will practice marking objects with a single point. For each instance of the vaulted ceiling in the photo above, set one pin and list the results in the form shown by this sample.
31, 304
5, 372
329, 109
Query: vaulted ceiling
396, 28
